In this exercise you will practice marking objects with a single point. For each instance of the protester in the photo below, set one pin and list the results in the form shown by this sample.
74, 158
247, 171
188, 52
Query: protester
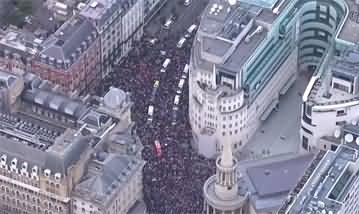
173, 181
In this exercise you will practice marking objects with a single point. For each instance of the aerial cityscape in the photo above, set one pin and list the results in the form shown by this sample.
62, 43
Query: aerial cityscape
179, 106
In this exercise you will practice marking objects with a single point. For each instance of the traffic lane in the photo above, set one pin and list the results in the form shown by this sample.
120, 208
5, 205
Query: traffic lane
191, 16
185, 17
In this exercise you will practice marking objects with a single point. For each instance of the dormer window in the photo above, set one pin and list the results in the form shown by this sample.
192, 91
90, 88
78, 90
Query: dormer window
47, 172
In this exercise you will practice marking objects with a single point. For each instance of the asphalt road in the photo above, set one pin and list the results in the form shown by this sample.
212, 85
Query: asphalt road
186, 16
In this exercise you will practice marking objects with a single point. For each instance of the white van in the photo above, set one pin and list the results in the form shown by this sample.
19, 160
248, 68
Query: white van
176, 102
166, 63
181, 42
156, 84
150, 112
180, 86
192, 28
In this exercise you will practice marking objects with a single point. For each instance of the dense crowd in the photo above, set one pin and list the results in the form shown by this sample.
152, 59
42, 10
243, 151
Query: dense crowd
172, 180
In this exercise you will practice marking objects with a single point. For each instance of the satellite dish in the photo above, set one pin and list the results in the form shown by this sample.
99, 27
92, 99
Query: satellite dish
232, 2
337, 133
349, 138
357, 141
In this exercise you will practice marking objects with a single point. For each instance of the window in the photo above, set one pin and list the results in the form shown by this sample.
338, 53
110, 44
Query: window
341, 113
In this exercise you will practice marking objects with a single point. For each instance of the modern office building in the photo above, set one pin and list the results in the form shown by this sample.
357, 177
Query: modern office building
119, 23
253, 187
62, 153
330, 185
71, 56
247, 54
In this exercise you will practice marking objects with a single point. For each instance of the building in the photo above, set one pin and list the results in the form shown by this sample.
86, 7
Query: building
62, 9
119, 23
253, 187
330, 185
243, 58
151, 8
221, 191
17, 50
331, 101
71, 56
55, 144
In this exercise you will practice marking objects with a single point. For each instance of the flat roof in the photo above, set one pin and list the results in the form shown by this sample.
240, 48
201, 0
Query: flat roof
268, 180
350, 29
319, 187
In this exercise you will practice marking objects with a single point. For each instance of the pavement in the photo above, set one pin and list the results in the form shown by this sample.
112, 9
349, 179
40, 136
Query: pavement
279, 134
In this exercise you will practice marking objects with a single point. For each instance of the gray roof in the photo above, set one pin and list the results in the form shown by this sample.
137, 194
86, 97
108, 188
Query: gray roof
68, 38
268, 179
44, 159
55, 101
108, 175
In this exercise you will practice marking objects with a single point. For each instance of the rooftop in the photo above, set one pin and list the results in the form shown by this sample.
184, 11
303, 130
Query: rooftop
49, 128
229, 32
69, 42
107, 173
323, 187
350, 29
344, 67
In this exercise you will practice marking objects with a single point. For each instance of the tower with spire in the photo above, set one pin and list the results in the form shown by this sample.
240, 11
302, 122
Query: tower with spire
221, 191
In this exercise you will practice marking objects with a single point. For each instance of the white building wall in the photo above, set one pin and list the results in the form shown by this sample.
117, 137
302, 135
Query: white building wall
214, 119
324, 123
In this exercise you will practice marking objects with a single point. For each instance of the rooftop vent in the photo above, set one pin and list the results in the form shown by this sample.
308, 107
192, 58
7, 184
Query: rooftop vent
94, 4
348, 138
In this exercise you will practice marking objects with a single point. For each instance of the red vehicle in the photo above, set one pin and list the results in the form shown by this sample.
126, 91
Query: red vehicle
158, 148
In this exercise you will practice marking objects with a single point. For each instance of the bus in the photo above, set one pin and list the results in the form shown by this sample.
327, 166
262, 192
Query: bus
158, 148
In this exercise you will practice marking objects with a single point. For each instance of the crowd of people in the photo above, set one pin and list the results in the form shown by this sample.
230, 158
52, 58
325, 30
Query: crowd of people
172, 179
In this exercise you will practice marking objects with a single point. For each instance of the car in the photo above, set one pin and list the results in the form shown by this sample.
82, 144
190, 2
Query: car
163, 70
168, 23
181, 42
187, 3
187, 36
153, 41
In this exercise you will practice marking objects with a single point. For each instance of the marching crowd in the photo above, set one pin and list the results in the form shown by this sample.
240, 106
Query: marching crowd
174, 176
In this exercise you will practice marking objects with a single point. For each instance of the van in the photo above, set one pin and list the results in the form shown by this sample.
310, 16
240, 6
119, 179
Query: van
156, 84
180, 86
168, 23
176, 102
150, 112
181, 42
166, 63
187, 3
192, 28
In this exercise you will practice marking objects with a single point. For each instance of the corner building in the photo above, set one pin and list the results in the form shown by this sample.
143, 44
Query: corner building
248, 53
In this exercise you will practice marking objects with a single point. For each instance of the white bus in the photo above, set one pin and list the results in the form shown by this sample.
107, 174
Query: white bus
166, 63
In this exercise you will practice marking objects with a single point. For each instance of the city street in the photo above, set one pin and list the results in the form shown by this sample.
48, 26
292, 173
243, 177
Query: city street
155, 76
